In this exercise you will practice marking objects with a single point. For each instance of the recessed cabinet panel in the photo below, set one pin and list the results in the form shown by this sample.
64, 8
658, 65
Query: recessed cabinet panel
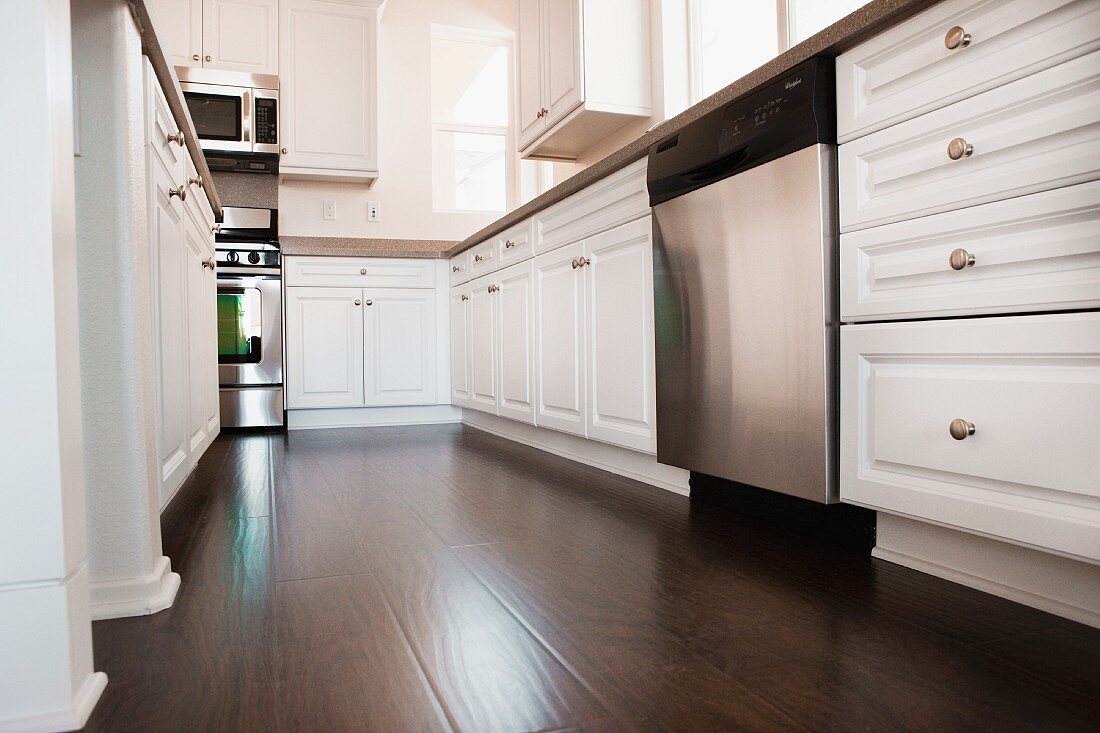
516, 304
179, 30
241, 35
621, 379
200, 330
531, 121
460, 341
399, 346
562, 58
324, 328
483, 356
560, 340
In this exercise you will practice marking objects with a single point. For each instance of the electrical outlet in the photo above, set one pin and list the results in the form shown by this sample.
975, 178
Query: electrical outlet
329, 210
374, 213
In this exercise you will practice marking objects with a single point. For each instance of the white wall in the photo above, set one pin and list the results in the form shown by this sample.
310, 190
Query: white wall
404, 188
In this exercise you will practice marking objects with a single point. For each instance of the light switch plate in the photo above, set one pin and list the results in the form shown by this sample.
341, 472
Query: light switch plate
374, 212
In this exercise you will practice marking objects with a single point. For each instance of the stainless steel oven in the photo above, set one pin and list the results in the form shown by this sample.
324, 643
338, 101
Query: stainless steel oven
236, 117
250, 318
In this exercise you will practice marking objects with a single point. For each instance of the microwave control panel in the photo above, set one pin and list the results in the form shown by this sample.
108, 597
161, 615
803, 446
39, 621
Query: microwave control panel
265, 124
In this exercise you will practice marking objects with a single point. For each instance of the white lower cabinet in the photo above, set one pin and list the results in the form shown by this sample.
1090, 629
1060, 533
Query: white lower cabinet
564, 341
360, 347
989, 425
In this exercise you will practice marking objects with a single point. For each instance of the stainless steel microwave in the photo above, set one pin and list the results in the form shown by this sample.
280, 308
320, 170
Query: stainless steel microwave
232, 111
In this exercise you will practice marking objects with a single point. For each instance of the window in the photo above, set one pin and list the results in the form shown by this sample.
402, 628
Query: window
471, 138
807, 17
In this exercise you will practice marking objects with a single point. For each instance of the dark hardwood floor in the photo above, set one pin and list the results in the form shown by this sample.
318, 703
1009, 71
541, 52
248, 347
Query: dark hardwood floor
439, 578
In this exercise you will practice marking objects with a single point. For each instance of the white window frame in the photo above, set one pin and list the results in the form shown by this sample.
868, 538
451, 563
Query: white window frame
511, 168
695, 70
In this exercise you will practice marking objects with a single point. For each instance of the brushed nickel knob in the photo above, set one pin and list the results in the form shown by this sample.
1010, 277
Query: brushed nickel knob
576, 262
959, 148
465, 297
581, 262
478, 258
181, 192
960, 429
208, 57
370, 302
216, 229
539, 114
358, 302
545, 111
455, 268
196, 181
194, 57
961, 259
362, 271
508, 244
208, 263
956, 38
179, 138
283, 151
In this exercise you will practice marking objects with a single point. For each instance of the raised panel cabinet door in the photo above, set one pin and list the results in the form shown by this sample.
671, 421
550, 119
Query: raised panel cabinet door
561, 58
179, 30
460, 346
209, 307
324, 347
399, 346
169, 265
198, 331
327, 85
515, 343
622, 395
559, 340
483, 361
241, 35
529, 117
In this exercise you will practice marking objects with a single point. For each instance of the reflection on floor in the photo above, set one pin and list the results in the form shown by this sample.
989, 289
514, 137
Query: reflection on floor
435, 578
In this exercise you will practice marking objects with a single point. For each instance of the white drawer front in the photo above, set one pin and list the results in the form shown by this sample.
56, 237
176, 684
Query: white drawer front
1035, 253
514, 245
459, 268
908, 70
359, 272
617, 199
483, 258
1037, 133
1029, 385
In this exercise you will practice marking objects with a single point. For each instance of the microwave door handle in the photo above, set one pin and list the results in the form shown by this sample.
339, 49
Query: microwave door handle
246, 116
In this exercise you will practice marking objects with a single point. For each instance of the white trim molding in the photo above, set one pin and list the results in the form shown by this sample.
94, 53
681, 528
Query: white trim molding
371, 417
135, 596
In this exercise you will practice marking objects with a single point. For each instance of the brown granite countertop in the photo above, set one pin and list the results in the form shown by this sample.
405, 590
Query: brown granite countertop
359, 247
166, 75
865, 22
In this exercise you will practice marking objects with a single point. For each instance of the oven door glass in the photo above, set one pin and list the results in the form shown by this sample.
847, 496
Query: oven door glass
240, 325
216, 116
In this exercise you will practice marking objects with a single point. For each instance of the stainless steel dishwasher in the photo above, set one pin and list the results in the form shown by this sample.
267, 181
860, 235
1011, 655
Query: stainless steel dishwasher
744, 216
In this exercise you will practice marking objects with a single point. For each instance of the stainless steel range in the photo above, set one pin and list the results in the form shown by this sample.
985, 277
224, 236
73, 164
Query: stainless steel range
250, 319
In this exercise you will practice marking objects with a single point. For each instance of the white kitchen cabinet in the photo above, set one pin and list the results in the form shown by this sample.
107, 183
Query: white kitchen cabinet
460, 342
328, 89
324, 347
201, 330
583, 72
515, 303
399, 346
619, 321
560, 340
232, 35
482, 344
241, 35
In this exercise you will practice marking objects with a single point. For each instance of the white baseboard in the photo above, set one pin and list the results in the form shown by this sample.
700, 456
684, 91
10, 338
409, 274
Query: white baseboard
631, 464
135, 596
364, 417
1051, 583
74, 718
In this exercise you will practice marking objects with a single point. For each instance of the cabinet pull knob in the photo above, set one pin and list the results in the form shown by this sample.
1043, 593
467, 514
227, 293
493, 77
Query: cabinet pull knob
494, 288
465, 297
358, 302
959, 148
956, 38
208, 263
508, 244
194, 57
478, 258
179, 138
455, 268
543, 112
208, 58
581, 262
196, 181
181, 192
282, 150
538, 114
216, 229
370, 302
362, 271
961, 259
960, 429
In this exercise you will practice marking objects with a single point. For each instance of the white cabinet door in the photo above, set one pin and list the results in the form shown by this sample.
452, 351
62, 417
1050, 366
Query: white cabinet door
399, 342
198, 332
621, 376
559, 340
209, 309
324, 347
483, 362
460, 346
530, 119
241, 35
564, 87
515, 342
170, 261
179, 30
327, 75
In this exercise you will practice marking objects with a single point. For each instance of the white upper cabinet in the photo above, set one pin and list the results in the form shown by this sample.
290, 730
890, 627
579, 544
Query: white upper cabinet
241, 35
328, 90
584, 72
399, 344
232, 35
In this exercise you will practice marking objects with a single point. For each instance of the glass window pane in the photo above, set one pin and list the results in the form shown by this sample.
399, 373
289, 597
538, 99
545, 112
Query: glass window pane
807, 17
469, 83
469, 171
239, 314
731, 39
